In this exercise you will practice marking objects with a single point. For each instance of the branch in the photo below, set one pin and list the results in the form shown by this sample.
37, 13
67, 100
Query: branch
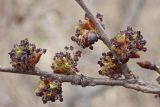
149, 65
103, 37
82, 80
134, 10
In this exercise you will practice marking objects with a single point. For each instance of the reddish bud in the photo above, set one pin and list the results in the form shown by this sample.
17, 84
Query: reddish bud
147, 65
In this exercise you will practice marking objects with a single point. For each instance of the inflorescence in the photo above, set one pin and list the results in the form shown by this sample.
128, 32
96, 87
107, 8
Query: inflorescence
25, 56
109, 66
127, 44
86, 33
66, 62
49, 90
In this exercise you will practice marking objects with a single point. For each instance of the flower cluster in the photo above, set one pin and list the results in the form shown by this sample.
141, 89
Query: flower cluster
127, 43
66, 62
86, 32
25, 56
49, 90
109, 66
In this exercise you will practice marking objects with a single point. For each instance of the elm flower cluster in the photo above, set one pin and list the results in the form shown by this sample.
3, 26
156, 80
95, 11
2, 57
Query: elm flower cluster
127, 44
66, 62
25, 56
49, 90
86, 32
109, 66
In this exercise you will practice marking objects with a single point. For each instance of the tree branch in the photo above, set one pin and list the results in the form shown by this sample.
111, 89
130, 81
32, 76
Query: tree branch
158, 69
134, 10
103, 37
82, 80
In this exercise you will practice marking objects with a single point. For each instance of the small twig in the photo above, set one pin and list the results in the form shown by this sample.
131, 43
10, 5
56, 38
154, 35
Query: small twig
149, 65
103, 37
158, 69
134, 10
138, 85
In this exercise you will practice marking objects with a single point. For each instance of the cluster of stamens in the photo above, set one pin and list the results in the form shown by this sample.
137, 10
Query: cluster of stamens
66, 62
109, 66
49, 90
25, 56
127, 44
86, 32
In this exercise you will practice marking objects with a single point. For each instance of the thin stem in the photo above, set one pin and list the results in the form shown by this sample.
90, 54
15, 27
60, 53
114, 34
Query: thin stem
103, 37
82, 80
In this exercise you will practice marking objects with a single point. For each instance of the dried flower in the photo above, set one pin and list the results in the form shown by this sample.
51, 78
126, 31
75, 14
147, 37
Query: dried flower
86, 32
25, 56
49, 90
66, 62
127, 44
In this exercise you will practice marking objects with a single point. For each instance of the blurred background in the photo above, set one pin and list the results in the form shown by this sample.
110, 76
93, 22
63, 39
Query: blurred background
50, 24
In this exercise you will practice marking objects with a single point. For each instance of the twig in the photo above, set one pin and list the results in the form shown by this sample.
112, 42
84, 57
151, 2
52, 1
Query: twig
149, 65
158, 69
82, 80
133, 10
103, 37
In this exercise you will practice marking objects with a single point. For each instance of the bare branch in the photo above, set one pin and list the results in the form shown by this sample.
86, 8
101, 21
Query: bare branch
103, 37
82, 80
